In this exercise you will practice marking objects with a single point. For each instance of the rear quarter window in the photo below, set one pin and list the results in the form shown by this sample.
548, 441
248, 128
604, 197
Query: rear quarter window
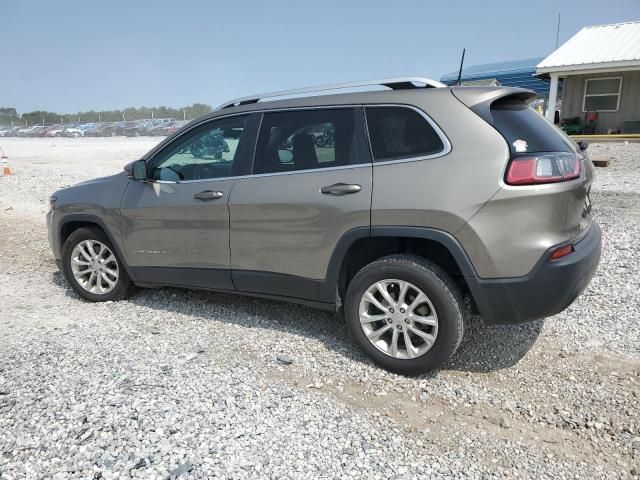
398, 133
526, 130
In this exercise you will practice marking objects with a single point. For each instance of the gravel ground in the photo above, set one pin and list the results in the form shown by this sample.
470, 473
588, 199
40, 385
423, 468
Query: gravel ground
185, 384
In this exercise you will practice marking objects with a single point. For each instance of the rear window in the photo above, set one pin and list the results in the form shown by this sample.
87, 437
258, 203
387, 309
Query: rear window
399, 132
526, 130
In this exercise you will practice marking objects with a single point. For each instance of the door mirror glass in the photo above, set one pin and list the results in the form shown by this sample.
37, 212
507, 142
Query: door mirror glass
285, 156
136, 170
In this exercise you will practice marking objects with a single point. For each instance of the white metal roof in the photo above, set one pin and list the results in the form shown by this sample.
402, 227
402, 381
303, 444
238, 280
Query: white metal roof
601, 47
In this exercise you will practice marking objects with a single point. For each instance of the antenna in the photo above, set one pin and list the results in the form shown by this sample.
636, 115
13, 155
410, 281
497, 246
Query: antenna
558, 31
461, 64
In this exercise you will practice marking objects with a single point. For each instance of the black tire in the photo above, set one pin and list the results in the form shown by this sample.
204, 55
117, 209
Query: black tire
123, 285
436, 284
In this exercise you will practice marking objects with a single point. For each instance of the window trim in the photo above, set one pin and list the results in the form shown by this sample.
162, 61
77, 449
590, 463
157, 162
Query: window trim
446, 144
370, 163
585, 95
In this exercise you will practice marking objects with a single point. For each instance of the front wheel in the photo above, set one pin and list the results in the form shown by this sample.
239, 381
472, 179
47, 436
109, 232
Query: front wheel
405, 313
92, 267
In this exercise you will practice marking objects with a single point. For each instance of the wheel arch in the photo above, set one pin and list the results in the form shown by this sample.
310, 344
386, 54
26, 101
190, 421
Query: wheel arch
360, 246
71, 223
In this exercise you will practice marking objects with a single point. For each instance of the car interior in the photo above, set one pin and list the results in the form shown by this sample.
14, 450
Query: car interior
287, 141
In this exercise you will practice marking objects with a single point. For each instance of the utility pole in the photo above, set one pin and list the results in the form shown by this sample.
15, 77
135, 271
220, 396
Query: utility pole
558, 31
184, 114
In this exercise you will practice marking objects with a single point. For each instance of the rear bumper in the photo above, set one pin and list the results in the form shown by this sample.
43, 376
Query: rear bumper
547, 290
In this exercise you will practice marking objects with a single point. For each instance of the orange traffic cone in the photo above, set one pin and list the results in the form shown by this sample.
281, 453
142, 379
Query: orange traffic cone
5, 163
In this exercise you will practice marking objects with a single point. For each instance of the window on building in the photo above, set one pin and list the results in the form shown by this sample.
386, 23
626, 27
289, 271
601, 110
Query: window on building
602, 94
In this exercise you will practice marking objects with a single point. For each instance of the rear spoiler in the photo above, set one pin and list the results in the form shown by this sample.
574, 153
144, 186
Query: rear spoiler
479, 99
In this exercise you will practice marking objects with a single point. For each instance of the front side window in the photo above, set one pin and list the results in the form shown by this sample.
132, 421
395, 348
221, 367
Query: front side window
208, 152
602, 94
305, 140
398, 132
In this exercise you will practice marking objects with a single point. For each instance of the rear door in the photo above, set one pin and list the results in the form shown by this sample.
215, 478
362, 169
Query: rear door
310, 184
175, 225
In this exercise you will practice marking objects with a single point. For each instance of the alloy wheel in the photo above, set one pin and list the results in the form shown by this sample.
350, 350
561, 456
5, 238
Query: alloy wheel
94, 266
398, 318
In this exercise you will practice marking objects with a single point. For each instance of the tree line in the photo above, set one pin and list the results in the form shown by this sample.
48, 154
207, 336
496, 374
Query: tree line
9, 116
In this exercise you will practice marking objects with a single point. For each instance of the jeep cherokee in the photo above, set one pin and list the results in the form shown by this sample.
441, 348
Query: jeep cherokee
387, 205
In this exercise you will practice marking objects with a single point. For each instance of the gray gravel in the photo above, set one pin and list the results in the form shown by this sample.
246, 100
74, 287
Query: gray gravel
198, 385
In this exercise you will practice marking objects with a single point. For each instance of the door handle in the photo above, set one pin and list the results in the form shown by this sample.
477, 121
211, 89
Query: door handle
339, 189
207, 195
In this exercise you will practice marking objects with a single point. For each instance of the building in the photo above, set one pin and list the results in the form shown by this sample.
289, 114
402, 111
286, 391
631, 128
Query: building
516, 73
599, 68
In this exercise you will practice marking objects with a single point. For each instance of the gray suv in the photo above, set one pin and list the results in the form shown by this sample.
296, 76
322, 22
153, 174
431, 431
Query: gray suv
388, 206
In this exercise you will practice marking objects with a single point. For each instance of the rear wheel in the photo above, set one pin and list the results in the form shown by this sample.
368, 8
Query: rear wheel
92, 267
405, 313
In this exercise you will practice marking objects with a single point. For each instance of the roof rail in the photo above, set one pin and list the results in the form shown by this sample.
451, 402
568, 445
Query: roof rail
400, 83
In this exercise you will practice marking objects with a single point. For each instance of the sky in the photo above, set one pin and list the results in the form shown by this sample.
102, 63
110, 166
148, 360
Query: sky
77, 55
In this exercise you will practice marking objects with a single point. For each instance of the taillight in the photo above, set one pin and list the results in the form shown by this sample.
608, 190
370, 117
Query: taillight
543, 168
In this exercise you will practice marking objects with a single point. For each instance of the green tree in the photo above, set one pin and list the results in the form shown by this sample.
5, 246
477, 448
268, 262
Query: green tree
8, 115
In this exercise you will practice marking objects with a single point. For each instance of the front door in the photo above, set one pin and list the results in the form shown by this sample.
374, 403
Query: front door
175, 226
310, 184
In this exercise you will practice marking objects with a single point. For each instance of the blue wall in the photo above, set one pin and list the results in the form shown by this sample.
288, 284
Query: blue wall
517, 73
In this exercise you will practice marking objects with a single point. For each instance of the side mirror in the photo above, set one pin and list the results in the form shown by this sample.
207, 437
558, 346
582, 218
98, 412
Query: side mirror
136, 170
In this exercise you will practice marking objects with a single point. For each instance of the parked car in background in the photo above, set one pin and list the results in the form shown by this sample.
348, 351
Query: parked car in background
130, 128
156, 129
32, 131
120, 127
54, 131
9, 131
171, 128
89, 127
147, 127
138, 128
103, 130
72, 132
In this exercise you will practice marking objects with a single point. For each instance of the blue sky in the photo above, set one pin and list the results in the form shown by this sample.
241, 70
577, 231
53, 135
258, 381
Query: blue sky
74, 55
